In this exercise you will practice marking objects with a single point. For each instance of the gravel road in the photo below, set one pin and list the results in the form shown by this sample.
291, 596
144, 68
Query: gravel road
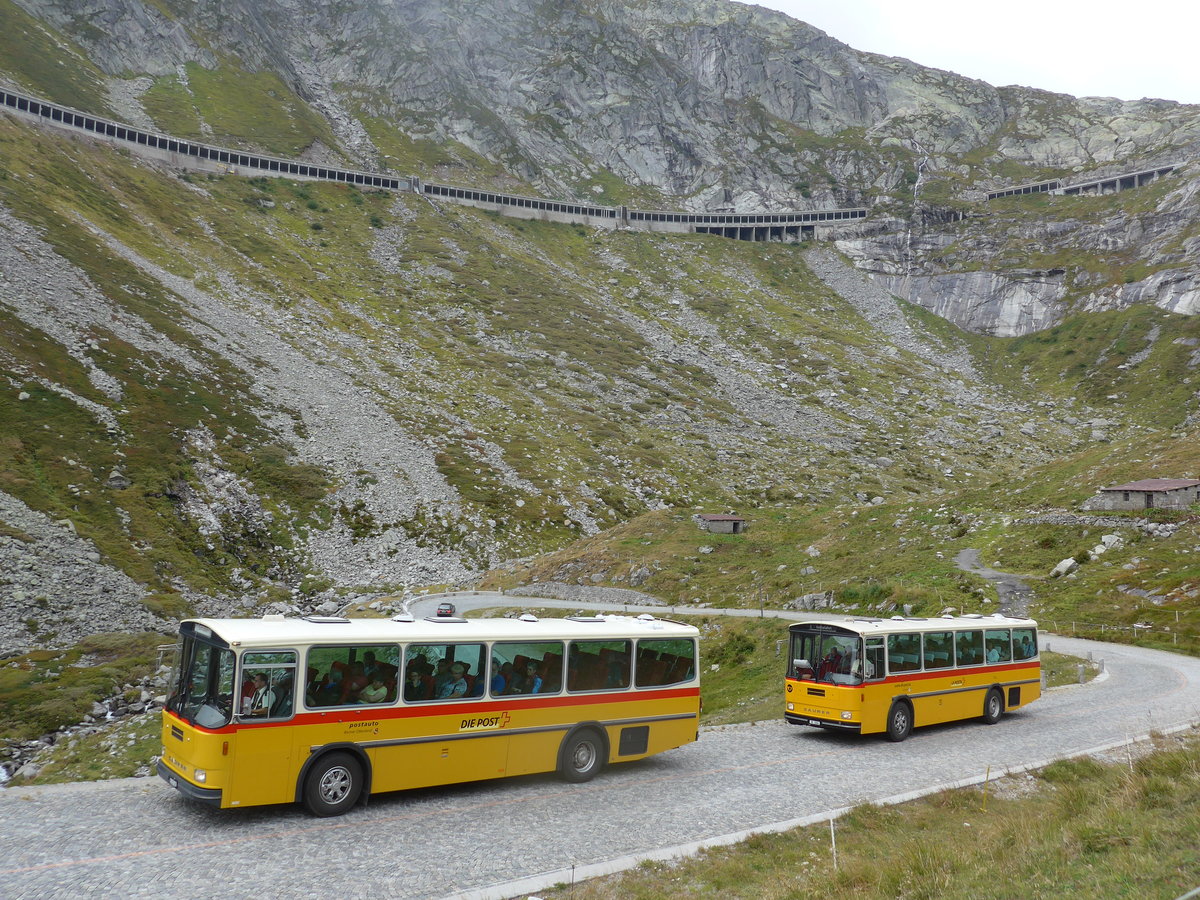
138, 838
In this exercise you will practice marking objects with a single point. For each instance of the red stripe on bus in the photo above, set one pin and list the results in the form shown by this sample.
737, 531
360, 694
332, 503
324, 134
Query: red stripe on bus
429, 709
897, 677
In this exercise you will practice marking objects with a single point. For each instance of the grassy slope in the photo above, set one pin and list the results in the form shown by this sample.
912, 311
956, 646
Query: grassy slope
1076, 829
486, 309
508, 305
47, 64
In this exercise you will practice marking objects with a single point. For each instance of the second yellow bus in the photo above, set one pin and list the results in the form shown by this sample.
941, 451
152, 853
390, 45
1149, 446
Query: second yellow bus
889, 675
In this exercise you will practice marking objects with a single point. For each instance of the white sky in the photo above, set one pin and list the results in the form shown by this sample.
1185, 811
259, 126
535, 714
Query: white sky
1088, 49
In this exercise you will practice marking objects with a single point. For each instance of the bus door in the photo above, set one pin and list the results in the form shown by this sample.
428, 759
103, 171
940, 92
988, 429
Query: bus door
263, 770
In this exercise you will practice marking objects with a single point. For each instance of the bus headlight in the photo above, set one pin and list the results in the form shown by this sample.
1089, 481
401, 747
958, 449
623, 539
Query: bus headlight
201, 775
791, 706
845, 714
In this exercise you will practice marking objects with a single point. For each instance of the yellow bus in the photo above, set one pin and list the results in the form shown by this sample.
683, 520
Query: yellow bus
889, 675
327, 710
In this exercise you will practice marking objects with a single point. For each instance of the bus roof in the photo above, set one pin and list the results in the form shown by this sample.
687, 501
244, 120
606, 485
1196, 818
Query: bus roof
275, 631
867, 626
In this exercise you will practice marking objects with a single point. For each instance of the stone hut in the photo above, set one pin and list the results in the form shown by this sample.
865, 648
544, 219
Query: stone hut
1150, 493
721, 523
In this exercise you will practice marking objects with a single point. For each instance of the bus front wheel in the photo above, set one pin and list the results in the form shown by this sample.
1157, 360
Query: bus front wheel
582, 756
993, 707
333, 785
899, 721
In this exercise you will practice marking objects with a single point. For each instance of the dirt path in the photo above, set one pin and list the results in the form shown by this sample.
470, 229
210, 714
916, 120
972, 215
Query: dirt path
1013, 592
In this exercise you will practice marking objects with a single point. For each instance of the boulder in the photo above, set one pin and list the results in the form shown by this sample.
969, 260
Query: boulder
1066, 567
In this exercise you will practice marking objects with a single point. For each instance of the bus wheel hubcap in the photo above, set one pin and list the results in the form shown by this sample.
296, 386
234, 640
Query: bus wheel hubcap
335, 785
585, 755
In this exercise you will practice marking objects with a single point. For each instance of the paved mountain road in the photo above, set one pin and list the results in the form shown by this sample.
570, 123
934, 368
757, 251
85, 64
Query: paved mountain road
138, 838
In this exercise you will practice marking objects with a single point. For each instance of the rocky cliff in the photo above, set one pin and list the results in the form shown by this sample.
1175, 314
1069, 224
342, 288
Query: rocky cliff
701, 105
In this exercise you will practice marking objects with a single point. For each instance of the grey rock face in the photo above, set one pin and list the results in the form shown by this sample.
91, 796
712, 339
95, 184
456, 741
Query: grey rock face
985, 302
48, 575
707, 100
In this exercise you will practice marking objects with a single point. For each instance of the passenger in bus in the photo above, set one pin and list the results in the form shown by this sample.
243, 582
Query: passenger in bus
375, 691
353, 683
331, 690
414, 684
470, 679
263, 698
370, 665
533, 680
503, 676
312, 686
993, 655
457, 685
529, 683
441, 676
616, 676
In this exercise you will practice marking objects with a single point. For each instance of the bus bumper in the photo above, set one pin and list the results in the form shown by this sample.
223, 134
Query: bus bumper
212, 796
837, 724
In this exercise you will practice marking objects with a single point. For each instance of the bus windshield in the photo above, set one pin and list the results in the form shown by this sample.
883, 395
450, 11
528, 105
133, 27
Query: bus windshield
836, 658
201, 690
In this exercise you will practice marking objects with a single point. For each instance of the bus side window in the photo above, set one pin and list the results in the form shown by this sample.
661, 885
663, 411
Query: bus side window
662, 662
351, 675
904, 652
999, 645
271, 678
874, 668
1024, 643
939, 650
527, 667
598, 665
968, 648
444, 672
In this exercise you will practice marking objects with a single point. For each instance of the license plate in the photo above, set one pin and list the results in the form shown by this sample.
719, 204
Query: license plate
814, 722
173, 783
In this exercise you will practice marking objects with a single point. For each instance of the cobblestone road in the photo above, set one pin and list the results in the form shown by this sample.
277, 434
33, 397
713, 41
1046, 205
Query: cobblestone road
138, 838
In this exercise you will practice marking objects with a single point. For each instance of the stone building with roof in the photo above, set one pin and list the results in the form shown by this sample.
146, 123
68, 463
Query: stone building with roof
721, 523
1149, 493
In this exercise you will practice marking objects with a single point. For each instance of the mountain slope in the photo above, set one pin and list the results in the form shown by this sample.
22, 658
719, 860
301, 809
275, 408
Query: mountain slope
248, 394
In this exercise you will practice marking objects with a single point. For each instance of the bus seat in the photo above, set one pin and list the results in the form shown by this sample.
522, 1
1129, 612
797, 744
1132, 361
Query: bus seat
282, 707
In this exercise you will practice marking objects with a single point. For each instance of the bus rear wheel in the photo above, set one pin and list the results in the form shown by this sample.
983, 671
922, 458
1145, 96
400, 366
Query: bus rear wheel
333, 785
899, 721
582, 756
993, 707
